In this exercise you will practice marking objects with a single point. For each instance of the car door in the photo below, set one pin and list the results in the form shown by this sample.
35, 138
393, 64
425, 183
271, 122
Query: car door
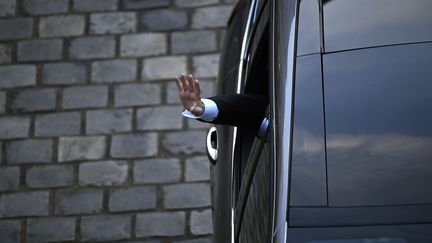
234, 144
254, 168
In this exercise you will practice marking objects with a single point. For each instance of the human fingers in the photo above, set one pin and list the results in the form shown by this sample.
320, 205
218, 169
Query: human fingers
184, 82
179, 85
190, 81
197, 87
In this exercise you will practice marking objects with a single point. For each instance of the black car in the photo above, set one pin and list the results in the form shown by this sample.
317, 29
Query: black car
344, 153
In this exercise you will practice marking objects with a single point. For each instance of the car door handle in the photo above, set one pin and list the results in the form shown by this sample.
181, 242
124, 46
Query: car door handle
212, 145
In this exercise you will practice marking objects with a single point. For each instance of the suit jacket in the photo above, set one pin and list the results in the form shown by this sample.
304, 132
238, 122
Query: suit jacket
241, 110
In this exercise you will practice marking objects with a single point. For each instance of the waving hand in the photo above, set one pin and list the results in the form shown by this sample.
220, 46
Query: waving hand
190, 94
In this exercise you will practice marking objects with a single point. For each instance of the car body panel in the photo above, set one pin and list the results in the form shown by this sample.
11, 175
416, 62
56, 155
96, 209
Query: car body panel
378, 125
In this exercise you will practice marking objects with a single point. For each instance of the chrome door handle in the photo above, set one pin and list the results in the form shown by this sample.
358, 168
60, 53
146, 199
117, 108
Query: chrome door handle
212, 145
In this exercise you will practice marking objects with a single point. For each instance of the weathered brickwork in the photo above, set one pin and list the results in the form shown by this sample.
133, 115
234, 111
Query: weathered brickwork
92, 144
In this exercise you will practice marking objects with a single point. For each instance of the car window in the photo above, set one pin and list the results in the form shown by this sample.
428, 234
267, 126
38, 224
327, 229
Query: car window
308, 178
257, 217
350, 24
378, 125
308, 29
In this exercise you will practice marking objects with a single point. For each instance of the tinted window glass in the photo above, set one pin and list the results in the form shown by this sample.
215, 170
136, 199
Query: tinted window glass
378, 125
308, 30
308, 179
361, 23
256, 223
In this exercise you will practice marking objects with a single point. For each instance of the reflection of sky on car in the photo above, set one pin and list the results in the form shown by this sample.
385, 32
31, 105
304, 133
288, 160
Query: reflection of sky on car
369, 169
376, 170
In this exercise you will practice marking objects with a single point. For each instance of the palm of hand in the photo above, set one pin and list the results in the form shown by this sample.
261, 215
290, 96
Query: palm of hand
190, 94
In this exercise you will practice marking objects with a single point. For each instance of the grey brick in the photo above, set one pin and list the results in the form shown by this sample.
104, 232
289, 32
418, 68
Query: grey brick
95, 5
49, 176
85, 97
9, 179
51, 229
211, 17
24, 204
103, 173
61, 26
10, 231
17, 76
29, 151
187, 195
36, 7
64, 73
194, 3
160, 224
137, 145
114, 71
137, 94
185, 142
34, 100
207, 90
135, 198
159, 118
201, 222
157, 171
195, 241
112, 23
140, 4
113, 227
197, 169
78, 202
2, 102
206, 65
81, 148
163, 67
58, 124
92, 47
14, 127
5, 53
7, 8
40, 50
148, 44
108, 121
165, 19
17, 28
193, 42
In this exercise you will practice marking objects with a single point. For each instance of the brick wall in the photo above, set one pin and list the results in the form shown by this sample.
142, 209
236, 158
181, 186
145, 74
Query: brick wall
92, 145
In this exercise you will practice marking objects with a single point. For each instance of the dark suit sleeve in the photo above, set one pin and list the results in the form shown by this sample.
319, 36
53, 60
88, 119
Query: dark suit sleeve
242, 110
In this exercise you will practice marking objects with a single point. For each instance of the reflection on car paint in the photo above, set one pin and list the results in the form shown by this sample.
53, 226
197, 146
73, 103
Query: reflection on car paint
308, 178
378, 125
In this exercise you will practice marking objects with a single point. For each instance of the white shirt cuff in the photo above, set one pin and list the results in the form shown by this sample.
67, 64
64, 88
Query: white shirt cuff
210, 113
